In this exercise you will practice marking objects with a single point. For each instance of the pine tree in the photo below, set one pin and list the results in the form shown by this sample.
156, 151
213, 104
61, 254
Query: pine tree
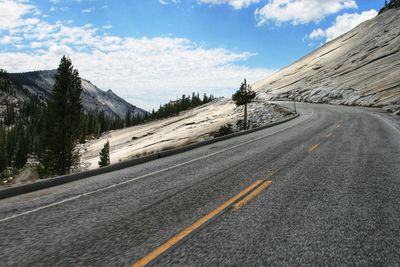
62, 123
105, 155
101, 121
21, 153
128, 119
242, 97
82, 134
3, 151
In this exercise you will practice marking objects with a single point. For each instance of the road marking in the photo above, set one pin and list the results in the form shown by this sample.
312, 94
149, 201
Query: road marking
252, 195
338, 125
313, 147
388, 123
328, 135
150, 174
184, 233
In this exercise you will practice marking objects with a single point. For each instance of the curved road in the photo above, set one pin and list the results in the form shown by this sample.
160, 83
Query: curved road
334, 200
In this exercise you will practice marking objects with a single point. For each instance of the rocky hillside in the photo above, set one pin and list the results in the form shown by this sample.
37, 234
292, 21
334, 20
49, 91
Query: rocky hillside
191, 126
361, 67
41, 83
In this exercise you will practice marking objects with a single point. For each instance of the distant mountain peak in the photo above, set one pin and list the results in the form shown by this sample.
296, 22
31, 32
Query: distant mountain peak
110, 92
41, 83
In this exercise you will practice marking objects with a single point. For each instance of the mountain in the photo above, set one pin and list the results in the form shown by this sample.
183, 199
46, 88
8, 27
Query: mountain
41, 83
361, 67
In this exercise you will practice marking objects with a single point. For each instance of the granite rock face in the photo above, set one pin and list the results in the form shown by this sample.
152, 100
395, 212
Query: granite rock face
361, 67
189, 127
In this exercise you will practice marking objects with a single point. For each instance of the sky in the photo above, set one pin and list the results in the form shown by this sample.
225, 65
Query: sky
152, 51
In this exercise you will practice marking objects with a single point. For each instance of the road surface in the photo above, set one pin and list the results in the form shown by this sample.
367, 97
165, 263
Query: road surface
322, 189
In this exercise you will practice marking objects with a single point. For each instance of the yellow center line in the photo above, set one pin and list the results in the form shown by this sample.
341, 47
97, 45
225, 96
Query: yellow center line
252, 195
184, 233
313, 147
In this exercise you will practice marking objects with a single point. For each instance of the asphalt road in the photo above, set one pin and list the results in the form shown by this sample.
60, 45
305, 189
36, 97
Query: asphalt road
334, 200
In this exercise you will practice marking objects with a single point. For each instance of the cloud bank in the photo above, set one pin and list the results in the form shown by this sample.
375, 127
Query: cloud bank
300, 11
342, 24
236, 4
145, 71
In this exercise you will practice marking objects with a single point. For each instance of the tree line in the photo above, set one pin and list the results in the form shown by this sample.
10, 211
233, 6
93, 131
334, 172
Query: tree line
172, 108
181, 104
50, 130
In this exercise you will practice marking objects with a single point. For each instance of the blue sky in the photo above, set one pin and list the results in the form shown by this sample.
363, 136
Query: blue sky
150, 51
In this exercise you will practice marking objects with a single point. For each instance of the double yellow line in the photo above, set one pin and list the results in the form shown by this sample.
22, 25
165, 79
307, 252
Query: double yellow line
313, 147
237, 202
252, 195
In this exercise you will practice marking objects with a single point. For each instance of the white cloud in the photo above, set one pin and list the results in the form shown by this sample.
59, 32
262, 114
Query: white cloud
78, 1
54, 8
11, 13
317, 34
342, 24
143, 70
88, 10
167, 2
7, 39
155, 70
346, 22
236, 4
300, 11
107, 27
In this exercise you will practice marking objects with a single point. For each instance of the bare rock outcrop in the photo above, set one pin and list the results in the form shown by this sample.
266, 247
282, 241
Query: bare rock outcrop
361, 67
390, 5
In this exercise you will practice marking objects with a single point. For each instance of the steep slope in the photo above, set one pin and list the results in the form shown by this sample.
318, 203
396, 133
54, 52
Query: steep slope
41, 83
10, 94
191, 126
361, 67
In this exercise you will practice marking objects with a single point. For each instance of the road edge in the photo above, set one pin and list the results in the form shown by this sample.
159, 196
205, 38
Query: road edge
46, 183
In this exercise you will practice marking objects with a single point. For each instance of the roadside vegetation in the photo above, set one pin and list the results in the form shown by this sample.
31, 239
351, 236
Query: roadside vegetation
224, 130
243, 97
105, 155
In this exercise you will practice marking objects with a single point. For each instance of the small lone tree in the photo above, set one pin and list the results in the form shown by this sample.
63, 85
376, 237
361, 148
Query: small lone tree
224, 130
243, 96
105, 155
